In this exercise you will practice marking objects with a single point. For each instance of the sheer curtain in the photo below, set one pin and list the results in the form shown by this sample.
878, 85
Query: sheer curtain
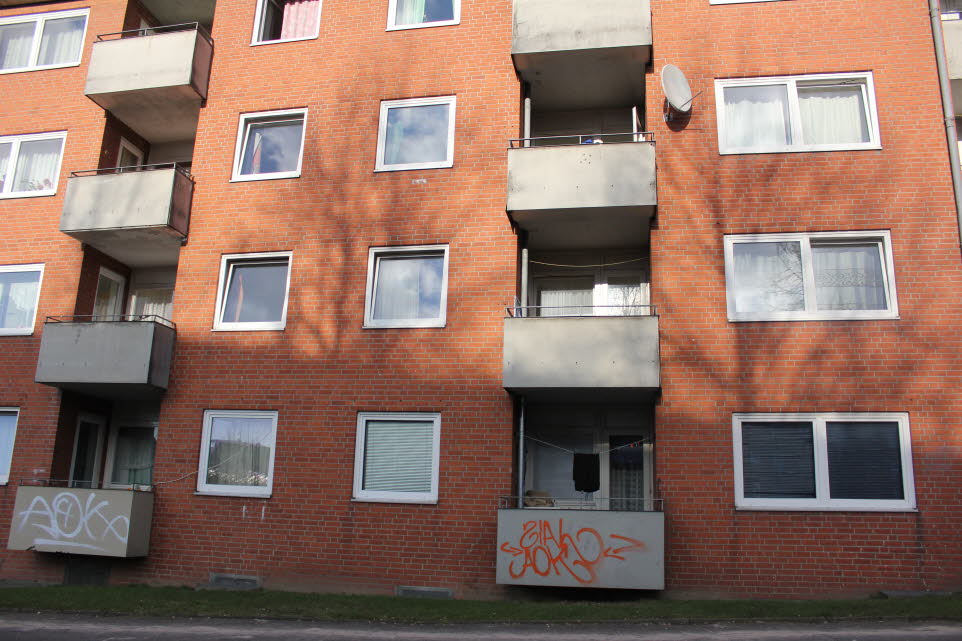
61, 41
768, 277
4, 163
133, 456
300, 19
153, 302
37, 165
833, 115
18, 295
15, 43
626, 473
848, 277
409, 12
408, 288
8, 428
573, 300
239, 452
757, 116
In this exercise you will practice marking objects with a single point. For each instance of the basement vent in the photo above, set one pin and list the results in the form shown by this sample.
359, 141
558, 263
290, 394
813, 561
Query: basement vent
423, 593
83, 570
234, 582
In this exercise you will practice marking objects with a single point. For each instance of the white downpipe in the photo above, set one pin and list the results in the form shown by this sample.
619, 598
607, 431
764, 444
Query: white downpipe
948, 113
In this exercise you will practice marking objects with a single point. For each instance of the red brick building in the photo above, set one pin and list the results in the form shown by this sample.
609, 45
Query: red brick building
429, 295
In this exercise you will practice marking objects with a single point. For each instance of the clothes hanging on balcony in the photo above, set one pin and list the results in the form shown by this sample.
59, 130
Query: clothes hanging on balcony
586, 472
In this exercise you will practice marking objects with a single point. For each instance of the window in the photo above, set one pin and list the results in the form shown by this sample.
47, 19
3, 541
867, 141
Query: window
823, 462
817, 276
406, 286
8, 433
130, 456
19, 291
286, 20
396, 457
412, 14
270, 145
109, 298
42, 41
237, 453
30, 164
416, 134
796, 113
252, 291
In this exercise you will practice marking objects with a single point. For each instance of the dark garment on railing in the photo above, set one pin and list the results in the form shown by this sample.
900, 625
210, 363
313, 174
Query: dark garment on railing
586, 472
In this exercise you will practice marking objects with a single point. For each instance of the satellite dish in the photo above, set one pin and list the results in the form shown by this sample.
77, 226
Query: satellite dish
677, 90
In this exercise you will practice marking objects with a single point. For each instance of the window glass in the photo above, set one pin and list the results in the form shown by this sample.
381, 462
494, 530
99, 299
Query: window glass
30, 164
566, 296
416, 134
864, 460
779, 460
757, 116
133, 462
253, 292
8, 432
418, 12
5, 149
61, 36
407, 287
280, 20
19, 289
237, 452
396, 457
61, 40
270, 145
768, 277
833, 114
849, 276
15, 43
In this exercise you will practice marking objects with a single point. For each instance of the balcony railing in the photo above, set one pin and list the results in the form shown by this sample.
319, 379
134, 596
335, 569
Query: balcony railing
581, 139
540, 501
571, 311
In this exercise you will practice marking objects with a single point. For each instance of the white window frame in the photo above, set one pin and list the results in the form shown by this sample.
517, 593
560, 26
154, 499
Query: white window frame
259, 18
243, 125
40, 20
882, 237
392, 16
222, 284
16, 142
373, 256
133, 149
24, 331
109, 274
738, 1
5, 478
235, 490
823, 500
396, 497
864, 79
387, 105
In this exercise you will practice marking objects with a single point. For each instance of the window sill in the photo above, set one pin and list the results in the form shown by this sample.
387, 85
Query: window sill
821, 508
29, 194
387, 168
425, 25
279, 42
812, 318
395, 500
799, 148
433, 324
40, 68
237, 495
279, 328
16, 332
244, 179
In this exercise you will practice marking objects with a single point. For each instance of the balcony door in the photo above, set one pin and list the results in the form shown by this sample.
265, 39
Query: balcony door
88, 444
109, 299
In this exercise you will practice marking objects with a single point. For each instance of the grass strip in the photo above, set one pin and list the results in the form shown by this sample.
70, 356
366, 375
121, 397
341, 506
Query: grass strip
186, 602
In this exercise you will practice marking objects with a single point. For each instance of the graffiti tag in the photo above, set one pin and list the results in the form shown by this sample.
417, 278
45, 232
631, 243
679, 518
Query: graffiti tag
68, 521
544, 550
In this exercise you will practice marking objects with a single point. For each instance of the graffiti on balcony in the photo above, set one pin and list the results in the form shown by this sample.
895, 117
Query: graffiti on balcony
77, 520
546, 548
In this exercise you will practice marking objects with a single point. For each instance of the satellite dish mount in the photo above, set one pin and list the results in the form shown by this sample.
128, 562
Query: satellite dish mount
678, 97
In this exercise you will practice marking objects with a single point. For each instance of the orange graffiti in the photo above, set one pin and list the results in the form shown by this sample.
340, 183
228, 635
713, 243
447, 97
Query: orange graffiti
544, 550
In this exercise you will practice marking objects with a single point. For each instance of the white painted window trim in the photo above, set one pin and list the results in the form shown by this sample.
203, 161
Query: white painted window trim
426, 498
243, 125
129, 146
226, 261
5, 478
864, 79
882, 237
823, 500
737, 1
259, 18
109, 274
374, 254
235, 490
101, 423
112, 450
40, 19
24, 331
16, 141
392, 16
387, 105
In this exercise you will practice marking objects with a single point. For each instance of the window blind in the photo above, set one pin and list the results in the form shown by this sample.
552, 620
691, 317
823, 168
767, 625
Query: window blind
864, 460
398, 456
778, 460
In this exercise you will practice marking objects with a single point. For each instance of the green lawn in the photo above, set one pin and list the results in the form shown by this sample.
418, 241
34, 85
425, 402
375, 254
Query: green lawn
144, 601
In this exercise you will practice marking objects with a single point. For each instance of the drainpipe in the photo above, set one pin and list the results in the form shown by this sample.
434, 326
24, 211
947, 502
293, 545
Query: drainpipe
521, 457
935, 16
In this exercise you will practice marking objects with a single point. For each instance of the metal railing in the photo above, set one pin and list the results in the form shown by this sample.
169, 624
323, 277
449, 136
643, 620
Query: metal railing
608, 504
151, 31
176, 166
573, 311
118, 318
80, 485
581, 139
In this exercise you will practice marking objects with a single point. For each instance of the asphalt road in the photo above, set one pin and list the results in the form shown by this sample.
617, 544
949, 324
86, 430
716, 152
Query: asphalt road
58, 627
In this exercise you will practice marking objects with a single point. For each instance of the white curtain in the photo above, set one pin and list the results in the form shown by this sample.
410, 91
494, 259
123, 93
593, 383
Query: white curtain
757, 116
572, 298
18, 295
300, 19
61, 41
409, 12
408, 288
37, 165
848, 277
239, 451
833, 115
398, 456
153, 302
133, 456
8, 429
4, 163
768, 277
626, 297
15, 43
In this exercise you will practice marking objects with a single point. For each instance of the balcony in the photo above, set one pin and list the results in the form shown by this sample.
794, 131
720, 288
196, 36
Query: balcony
113, 357
952, 36
578, 54
82, 521
603, 357
590, 548
587, 194
138, 216
154, 80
